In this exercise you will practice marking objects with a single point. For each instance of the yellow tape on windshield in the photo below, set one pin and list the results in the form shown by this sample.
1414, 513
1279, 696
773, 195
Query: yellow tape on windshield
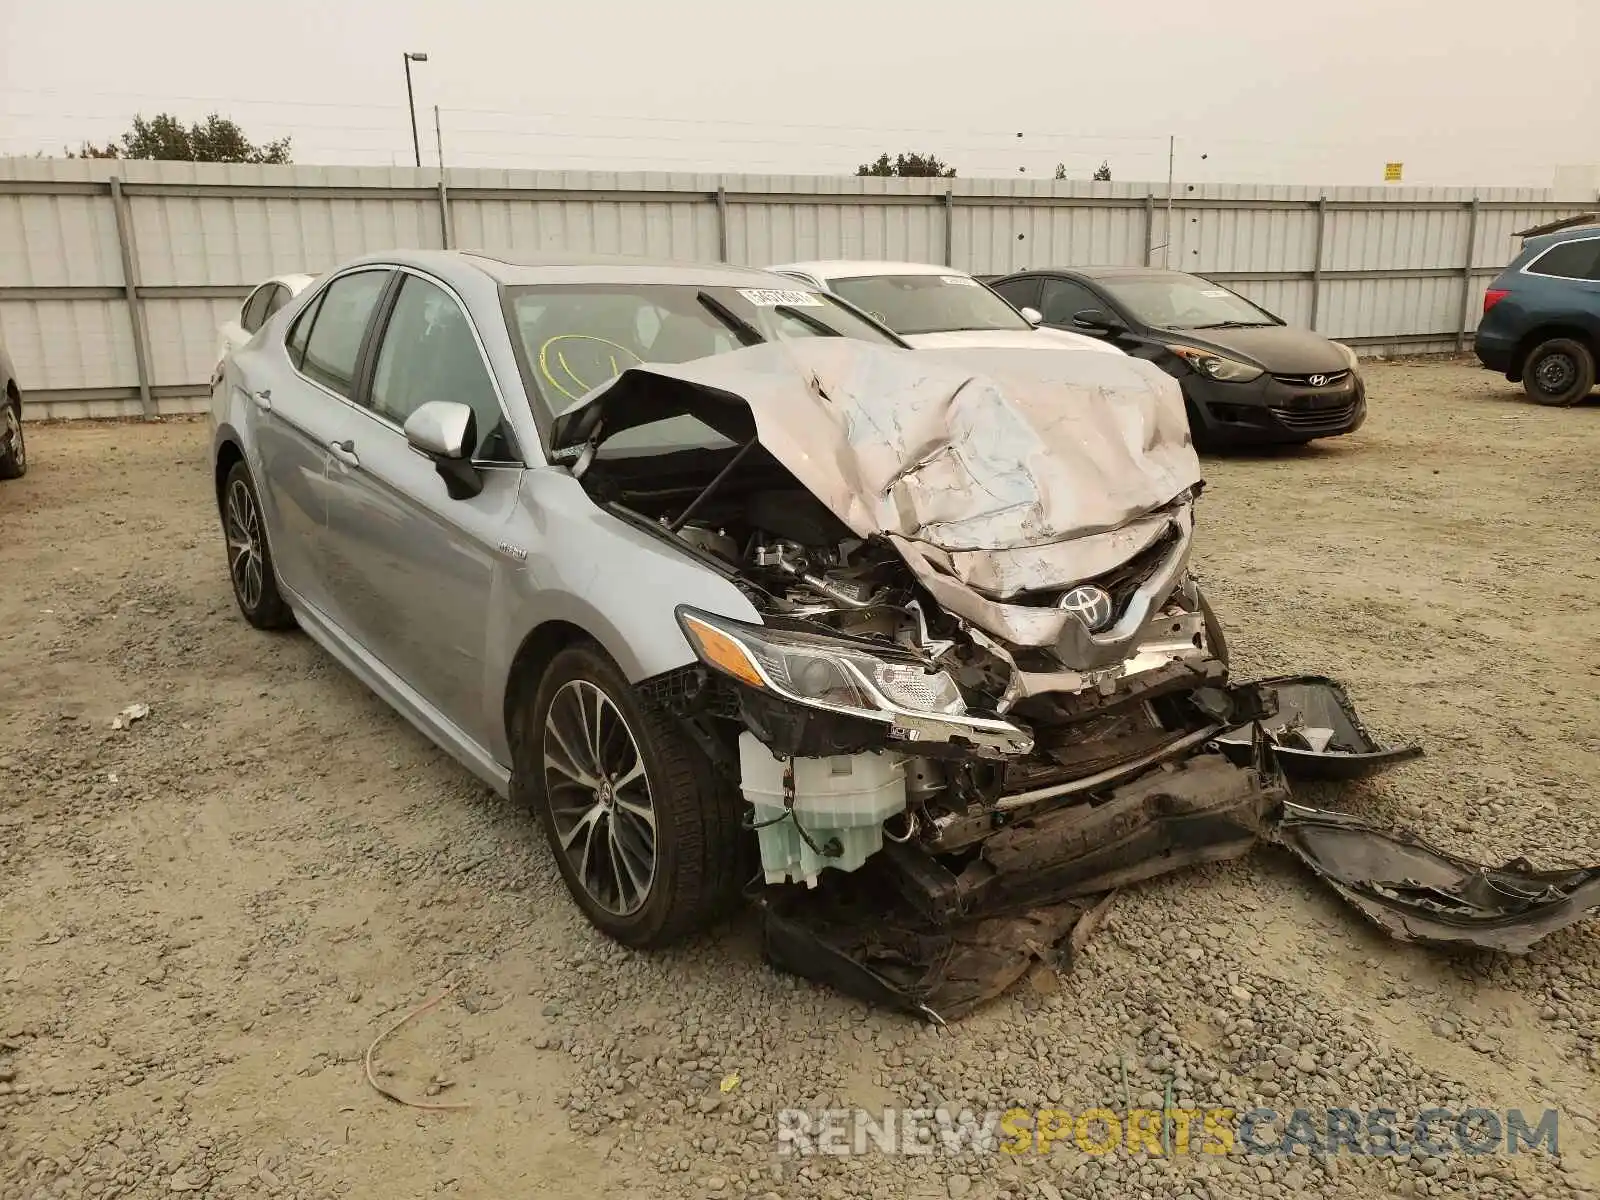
582, 385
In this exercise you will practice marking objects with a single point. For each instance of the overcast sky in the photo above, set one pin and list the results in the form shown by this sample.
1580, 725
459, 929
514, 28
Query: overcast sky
1288, 91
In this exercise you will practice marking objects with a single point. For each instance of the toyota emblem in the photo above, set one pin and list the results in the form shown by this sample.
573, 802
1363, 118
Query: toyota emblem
1316, 380
1090, 604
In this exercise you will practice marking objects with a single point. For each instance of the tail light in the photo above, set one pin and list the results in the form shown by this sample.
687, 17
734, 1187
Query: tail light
1493, 296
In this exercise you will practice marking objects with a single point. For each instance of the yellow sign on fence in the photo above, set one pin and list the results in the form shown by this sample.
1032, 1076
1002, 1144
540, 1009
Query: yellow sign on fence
1391, 172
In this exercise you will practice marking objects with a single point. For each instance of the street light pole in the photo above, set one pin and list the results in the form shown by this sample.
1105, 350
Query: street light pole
411, 103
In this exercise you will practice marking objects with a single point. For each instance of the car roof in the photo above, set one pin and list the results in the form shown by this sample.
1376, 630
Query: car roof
1575, 233
1104, 272
518, 271
846, 268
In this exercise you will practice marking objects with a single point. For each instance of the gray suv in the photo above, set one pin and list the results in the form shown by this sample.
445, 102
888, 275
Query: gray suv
708, 566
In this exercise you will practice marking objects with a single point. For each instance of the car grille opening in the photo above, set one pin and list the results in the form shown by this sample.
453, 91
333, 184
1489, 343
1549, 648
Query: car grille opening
1318, 420
1120, 582
1329, 379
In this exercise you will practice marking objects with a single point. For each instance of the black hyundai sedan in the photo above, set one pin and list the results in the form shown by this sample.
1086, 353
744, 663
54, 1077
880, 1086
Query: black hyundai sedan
1248, 378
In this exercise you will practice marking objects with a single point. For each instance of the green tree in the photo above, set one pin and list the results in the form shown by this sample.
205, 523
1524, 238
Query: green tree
1102, 173
164, 136
908, 166
1061, 170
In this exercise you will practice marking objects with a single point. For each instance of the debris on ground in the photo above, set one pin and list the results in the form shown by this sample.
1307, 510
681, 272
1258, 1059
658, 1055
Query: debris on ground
134, 712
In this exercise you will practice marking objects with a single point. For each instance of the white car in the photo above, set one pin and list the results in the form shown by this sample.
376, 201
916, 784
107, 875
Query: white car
264, 300
936, 308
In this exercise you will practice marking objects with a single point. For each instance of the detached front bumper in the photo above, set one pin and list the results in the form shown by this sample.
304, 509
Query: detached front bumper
941, 933
1275, 409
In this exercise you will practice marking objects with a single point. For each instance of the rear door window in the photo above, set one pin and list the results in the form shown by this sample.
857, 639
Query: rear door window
254, 310
332, 350
296, 342
279, 297
1020, 293
1569, 260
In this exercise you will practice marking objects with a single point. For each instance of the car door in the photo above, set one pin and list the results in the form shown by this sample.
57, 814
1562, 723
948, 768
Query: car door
412, 570
298, 411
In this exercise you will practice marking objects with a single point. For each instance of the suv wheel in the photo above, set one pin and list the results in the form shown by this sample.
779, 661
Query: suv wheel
14, 459
645, 835
255, 582
1559, 372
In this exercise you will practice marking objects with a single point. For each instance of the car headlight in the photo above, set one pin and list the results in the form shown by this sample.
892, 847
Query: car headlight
1349, 356
818, 672
1216, 366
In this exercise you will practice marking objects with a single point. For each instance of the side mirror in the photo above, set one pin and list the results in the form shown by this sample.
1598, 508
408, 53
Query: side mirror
1096, 320
1032, 316
447, 434
440, 429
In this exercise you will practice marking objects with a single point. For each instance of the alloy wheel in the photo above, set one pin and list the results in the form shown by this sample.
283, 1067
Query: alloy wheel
599, 796
243, 529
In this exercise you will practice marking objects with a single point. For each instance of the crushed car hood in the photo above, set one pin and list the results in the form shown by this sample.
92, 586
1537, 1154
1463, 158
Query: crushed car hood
1006, 469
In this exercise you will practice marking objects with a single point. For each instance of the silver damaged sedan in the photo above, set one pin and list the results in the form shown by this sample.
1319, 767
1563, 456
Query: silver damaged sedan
733, 588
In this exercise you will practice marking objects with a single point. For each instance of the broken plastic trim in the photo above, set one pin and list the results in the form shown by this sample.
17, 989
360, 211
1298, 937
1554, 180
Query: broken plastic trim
1315, 733
939, 935
1419, 894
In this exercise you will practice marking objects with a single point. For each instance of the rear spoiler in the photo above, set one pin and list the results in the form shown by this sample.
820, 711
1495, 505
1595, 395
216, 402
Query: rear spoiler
1588, 218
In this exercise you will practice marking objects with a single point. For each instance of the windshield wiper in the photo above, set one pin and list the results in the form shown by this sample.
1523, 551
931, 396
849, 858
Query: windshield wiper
820, 328
747, 333
1233, 325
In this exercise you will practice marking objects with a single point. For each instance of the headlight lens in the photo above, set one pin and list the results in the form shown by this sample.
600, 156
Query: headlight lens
817, 671
1215, 366
1349, 356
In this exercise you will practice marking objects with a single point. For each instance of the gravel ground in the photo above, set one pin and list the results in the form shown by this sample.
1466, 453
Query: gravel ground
207, 917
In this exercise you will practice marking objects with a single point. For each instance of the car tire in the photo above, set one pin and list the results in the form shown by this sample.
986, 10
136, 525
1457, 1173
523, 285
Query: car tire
14, 462
657, 793
250, 569
1559, 372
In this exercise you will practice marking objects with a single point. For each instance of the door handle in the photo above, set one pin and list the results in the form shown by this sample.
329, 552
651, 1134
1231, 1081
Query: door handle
345, 452
263, 399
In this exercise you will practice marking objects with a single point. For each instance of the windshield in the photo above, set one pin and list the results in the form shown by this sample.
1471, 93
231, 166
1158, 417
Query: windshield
929, 303
1184, 302
576, 337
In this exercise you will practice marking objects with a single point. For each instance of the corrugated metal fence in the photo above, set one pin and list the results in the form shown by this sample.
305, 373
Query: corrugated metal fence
114, 277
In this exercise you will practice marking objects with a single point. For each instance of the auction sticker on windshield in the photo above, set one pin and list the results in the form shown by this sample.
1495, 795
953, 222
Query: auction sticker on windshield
775, 297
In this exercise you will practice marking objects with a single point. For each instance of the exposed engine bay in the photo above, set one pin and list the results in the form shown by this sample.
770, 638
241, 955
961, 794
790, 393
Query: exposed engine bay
985, 686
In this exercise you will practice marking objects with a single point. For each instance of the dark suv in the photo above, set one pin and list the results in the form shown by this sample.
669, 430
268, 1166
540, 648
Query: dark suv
1541, 316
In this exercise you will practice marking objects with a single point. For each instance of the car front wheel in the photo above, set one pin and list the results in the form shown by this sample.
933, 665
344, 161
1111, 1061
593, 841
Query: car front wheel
255, 582
13, 448
1559, 372
645, 835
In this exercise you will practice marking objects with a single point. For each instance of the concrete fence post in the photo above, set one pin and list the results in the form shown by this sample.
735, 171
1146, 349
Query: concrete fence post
1149, 229
446, 240
130, 287
1316, 261
722, 224
1466, 275
949, 228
